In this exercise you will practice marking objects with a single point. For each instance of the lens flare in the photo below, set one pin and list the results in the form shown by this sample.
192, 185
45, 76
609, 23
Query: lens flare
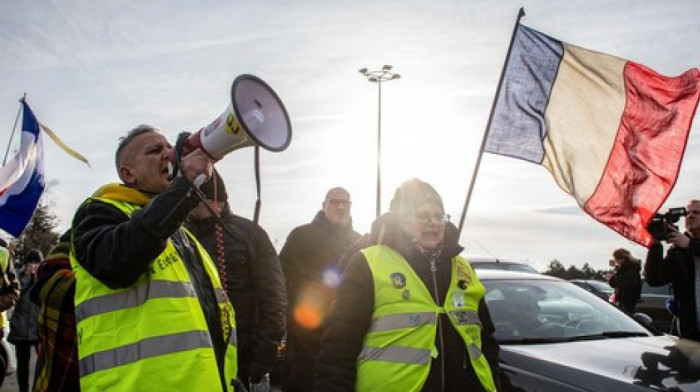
313, 305
331, 278
307, 316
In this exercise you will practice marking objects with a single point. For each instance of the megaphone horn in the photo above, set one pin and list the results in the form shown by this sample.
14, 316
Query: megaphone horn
254, 117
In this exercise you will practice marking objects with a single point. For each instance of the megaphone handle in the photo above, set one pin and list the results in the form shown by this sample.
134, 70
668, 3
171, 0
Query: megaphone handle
199, 180
177, 152
256, 214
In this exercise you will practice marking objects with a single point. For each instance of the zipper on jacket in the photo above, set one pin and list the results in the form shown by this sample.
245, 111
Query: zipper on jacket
441, 341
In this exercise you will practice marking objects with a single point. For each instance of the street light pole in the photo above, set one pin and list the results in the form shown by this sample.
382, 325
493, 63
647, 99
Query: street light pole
379, 77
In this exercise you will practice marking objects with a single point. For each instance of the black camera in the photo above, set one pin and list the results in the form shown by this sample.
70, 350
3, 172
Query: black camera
660, 224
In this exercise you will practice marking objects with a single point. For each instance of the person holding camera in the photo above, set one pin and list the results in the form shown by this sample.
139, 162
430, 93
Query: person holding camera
681, 268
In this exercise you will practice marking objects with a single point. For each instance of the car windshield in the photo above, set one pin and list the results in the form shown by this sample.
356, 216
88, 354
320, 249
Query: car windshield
538, 311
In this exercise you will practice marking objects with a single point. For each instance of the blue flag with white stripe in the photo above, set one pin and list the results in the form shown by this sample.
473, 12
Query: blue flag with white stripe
22, 178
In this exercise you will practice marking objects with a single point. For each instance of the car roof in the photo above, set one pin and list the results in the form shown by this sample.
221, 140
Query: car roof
489, 259
484, 274
587, 280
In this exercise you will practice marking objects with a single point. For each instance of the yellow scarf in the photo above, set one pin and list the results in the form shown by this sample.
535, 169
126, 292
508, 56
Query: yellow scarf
121, 192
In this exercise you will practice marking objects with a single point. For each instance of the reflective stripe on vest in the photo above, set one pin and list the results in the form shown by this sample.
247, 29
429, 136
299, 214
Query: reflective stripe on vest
150, 347
403, 320
153, 334
408, 355
400, 343
135, 297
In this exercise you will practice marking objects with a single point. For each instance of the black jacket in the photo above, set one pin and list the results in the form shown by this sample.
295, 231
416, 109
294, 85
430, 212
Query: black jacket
116, 249
352, 314
677, 268
627, 282
255, 286
25, 313
310, 250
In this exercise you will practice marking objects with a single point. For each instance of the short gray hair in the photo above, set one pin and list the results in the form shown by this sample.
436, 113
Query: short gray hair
130, 136
336, 189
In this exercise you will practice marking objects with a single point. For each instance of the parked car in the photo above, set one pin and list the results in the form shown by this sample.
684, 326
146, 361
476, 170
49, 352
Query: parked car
653, 303
598, 287
488, 262
555, 336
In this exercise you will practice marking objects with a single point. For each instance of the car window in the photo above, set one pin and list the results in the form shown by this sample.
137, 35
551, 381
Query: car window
658, 290
488, 266
537, 309
518, 267
600, 286
504, 265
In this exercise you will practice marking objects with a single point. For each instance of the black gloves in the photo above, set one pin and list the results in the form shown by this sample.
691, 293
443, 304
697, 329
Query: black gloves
256, 372
264, 355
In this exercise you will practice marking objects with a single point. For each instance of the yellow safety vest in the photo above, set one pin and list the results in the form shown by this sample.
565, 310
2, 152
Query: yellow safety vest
4, 262
400, 344
151, 336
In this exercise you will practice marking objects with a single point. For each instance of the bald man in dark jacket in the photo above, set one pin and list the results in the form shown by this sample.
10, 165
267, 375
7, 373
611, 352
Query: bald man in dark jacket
309, 260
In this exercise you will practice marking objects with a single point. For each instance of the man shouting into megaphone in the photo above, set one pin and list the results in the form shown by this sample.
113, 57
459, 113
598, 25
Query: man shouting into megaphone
149, 307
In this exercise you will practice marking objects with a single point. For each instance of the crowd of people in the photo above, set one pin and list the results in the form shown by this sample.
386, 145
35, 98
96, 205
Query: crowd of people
159, 286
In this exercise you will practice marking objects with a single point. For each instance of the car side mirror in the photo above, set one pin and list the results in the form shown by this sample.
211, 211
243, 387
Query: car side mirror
643, 319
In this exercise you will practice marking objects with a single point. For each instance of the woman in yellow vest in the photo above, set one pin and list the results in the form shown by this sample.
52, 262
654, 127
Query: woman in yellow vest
410, 314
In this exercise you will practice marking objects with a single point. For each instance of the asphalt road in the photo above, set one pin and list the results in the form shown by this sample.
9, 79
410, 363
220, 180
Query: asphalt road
10, 383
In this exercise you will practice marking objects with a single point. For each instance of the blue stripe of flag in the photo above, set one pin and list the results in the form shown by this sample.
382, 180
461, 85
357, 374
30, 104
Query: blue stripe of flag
518, 126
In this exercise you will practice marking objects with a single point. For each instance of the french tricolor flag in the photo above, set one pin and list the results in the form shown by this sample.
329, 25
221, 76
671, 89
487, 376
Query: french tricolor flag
22, 178
612, 132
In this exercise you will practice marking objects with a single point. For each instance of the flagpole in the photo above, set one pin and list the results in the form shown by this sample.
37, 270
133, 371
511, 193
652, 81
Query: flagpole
521, 13
14, 128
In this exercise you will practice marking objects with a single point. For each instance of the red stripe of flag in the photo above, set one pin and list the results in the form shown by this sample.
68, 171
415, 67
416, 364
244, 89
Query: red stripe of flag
647, 153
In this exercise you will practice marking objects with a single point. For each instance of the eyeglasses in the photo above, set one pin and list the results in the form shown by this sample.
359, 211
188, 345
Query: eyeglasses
339, 202
425, 217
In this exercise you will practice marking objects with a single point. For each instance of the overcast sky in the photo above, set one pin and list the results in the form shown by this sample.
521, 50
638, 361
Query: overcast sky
94, 70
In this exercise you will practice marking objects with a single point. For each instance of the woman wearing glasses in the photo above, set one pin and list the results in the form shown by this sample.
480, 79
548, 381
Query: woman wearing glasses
410, 314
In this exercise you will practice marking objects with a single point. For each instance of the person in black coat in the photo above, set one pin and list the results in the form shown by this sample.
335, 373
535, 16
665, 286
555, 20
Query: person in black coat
626, 280
251, 275
431, 247
309, 261
679, 268
23, 333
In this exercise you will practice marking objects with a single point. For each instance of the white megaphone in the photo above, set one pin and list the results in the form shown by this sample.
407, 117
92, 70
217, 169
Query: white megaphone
255, 117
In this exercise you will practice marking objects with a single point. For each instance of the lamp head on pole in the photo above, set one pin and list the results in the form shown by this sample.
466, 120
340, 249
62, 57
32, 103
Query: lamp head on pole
379, 75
